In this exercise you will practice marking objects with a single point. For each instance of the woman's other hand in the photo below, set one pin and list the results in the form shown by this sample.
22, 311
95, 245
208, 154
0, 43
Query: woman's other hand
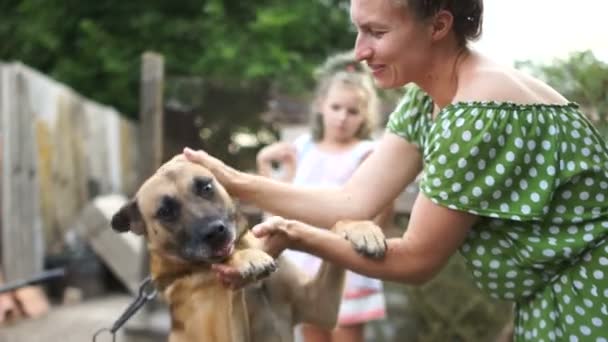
277, 233
276, 237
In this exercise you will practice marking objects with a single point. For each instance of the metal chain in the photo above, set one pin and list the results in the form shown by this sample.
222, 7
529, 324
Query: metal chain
147, 292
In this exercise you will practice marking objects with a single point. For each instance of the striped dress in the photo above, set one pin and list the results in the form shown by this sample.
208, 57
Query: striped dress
363, 298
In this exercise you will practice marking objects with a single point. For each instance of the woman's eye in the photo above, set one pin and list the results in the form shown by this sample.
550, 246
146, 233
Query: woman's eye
376, 34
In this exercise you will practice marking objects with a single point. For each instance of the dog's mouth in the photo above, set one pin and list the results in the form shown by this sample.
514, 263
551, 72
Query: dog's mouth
205, 251
224, 251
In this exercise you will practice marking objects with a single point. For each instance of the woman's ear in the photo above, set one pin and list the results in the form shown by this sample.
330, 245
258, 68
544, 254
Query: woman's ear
442, 24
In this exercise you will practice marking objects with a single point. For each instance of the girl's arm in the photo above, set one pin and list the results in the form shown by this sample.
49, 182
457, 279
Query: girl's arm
282, 152
374, 185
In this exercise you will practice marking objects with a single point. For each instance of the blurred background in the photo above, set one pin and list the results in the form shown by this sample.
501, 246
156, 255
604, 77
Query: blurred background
94, 95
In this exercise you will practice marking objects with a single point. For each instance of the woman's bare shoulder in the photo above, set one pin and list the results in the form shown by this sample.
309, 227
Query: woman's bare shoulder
491, 82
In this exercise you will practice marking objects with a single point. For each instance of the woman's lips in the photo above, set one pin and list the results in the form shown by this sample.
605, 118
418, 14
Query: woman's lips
377, 69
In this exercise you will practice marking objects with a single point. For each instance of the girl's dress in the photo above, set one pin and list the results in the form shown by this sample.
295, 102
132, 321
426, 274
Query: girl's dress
537, 176
363, 298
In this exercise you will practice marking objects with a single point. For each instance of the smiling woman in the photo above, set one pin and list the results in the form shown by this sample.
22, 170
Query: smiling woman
496, 183
383, 39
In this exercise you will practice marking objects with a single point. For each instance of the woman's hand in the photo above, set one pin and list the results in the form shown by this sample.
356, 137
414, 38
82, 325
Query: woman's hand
276, 234
225, 175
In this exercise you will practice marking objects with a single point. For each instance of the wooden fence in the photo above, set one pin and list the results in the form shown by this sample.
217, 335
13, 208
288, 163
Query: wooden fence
58, 151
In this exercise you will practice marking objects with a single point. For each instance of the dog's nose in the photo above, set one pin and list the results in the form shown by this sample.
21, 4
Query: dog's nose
215, 229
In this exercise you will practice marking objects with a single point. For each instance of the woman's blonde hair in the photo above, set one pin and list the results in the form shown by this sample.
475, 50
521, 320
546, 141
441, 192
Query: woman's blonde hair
344, 69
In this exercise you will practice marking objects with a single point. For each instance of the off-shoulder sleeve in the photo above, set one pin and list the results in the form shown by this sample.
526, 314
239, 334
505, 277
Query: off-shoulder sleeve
409, 117
491, 162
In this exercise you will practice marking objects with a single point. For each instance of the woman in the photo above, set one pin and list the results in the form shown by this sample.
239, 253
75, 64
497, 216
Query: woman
514, 176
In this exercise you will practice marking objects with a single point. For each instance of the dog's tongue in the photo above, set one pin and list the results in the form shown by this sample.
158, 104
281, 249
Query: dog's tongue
225, 251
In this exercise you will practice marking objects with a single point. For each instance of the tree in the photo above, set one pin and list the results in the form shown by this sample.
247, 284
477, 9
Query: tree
235, 47
581, 78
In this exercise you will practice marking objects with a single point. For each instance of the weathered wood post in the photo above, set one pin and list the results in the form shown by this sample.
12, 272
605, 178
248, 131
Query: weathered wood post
150, 121
151, 114
22, 238
149, 159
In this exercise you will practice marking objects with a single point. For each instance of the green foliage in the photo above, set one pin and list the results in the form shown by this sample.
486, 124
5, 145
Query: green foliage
448, 308
95, 46
581, 78
238, 50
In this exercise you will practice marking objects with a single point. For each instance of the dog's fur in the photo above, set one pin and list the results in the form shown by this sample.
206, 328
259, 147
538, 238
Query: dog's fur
190, 222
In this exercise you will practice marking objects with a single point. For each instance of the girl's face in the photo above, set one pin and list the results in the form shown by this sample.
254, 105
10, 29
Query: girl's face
393, 43
343, 111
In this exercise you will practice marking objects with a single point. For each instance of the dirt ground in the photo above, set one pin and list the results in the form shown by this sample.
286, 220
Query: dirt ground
72, 323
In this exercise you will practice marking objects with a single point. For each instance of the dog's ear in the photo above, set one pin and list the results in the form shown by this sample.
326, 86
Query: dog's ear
128, 218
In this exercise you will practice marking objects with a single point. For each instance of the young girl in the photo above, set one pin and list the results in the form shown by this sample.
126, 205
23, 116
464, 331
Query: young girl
345, 110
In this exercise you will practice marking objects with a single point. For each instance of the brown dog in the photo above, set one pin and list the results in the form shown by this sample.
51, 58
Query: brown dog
190, 222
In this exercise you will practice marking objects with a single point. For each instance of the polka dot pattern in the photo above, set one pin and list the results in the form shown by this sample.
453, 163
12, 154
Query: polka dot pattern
538, 177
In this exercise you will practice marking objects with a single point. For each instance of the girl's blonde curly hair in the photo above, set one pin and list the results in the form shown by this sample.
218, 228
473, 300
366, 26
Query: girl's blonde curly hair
343, 68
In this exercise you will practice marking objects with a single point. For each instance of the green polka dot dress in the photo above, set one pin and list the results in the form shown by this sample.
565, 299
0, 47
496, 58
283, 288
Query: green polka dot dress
537, 175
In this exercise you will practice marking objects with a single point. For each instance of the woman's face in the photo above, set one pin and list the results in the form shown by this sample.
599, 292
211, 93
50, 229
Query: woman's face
393, 43
343, 111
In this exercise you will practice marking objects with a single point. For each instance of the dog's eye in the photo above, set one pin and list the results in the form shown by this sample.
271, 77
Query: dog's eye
168, 210
203, 187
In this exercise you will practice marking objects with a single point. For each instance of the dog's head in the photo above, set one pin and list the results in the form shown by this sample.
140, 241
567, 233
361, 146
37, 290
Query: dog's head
184, 212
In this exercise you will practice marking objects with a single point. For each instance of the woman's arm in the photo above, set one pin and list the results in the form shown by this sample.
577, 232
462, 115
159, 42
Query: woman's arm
376, 182
434, 233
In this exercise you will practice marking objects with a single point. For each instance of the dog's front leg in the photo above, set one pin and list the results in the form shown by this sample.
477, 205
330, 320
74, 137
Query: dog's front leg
319, 301
251, 262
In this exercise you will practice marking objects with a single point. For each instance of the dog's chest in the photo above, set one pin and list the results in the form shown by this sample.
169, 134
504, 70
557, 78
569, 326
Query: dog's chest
270, 320
206, 311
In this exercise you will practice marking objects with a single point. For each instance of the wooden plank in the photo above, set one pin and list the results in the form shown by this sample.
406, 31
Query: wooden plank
120, 252
128, 156
2, 144
64, 171
113, 150
22, 250
150, 124
97, 150
151, 114
79, 150
45, 181
2, 66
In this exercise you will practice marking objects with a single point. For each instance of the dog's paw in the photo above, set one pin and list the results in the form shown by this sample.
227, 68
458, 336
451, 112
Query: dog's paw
365, 236
253, 264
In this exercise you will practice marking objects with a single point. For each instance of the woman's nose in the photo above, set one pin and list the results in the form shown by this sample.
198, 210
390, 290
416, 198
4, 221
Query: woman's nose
362, 50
